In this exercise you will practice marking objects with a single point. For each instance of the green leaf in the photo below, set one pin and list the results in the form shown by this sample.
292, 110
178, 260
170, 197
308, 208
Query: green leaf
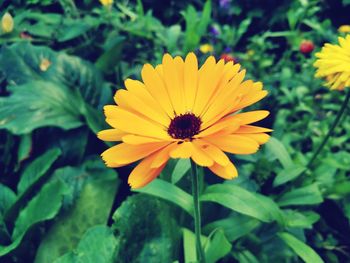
21, 62
24, 147
308, 195
97, 245
229, 225
243, 201
288, 174
217, 247
111, 57
170, 193
189, 245
300, 219
181, 168
305, 252
276, 148
44, 206
146, 230
37, 168
47, 104
246, 256
99, 183
7, 198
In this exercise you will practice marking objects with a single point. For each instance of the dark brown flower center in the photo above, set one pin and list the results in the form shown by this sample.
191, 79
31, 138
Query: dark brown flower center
184, 126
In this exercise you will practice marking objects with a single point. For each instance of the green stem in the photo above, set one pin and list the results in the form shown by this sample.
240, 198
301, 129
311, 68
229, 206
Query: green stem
331, 130
197, 213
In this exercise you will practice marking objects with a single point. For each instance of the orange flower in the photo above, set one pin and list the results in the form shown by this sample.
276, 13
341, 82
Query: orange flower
180, 111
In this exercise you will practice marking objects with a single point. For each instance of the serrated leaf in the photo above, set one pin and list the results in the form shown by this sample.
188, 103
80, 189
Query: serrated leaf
97, 245
243, 201
300, 248
169, 192
308, 195
36, 169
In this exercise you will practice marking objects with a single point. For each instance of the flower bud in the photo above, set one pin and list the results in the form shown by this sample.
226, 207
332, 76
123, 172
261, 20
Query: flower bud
306, 47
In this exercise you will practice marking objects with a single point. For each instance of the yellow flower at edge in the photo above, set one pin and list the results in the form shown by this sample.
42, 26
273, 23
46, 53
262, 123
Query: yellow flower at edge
180, 111
7, 23
344, 29
206, 48
333, 64
106, 2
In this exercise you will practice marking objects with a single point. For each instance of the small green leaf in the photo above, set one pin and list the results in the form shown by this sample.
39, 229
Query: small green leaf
25, 147
288, 174
308, 195
170, 193
300, 248
97, 245
276, 148
217, 246
189, 245
37, 168
243, 201
229, 225
7, 198
181, 168
300, 219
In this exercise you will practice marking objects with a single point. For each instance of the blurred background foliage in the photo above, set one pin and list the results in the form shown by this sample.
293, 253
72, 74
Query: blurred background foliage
63, 60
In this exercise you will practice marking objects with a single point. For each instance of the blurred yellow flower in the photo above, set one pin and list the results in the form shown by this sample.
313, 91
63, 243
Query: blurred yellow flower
206, 48
7, 23
250, 52
333, 64
180, 111
106, 2
45, 64
344, 29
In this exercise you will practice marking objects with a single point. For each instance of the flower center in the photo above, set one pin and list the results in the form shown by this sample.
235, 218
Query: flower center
184, 126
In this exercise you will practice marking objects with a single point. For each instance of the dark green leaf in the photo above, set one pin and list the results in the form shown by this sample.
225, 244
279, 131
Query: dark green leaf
216, 247
37, 169
7, 198
97, 245
276, 148
288, 174
299, 219
25, 147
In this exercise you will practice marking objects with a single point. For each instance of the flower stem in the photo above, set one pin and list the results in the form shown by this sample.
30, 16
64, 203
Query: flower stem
197, 212
331, 130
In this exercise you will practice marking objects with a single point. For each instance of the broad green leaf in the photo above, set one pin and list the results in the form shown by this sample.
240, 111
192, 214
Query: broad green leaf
7, 198
217, 246
37, 168
308, 195
243, 201
234, 227
24, 148
288, 174
94, 119
170, 193
98, 184
300, 219
44, 206
97, 245
275, 147
146, 230
111, 57
181, 168
47, 104
22, 63
306, 253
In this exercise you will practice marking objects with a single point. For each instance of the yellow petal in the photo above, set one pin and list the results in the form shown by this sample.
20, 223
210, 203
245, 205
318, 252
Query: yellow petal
110, 135
230, 122
200, 157
183, 150
135, 124
237, 144
123, 154
228, 171
155, 85
260, 138
190, 80
251, 116
252, 129
213, 152
163, 156
143, 173
137, 139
